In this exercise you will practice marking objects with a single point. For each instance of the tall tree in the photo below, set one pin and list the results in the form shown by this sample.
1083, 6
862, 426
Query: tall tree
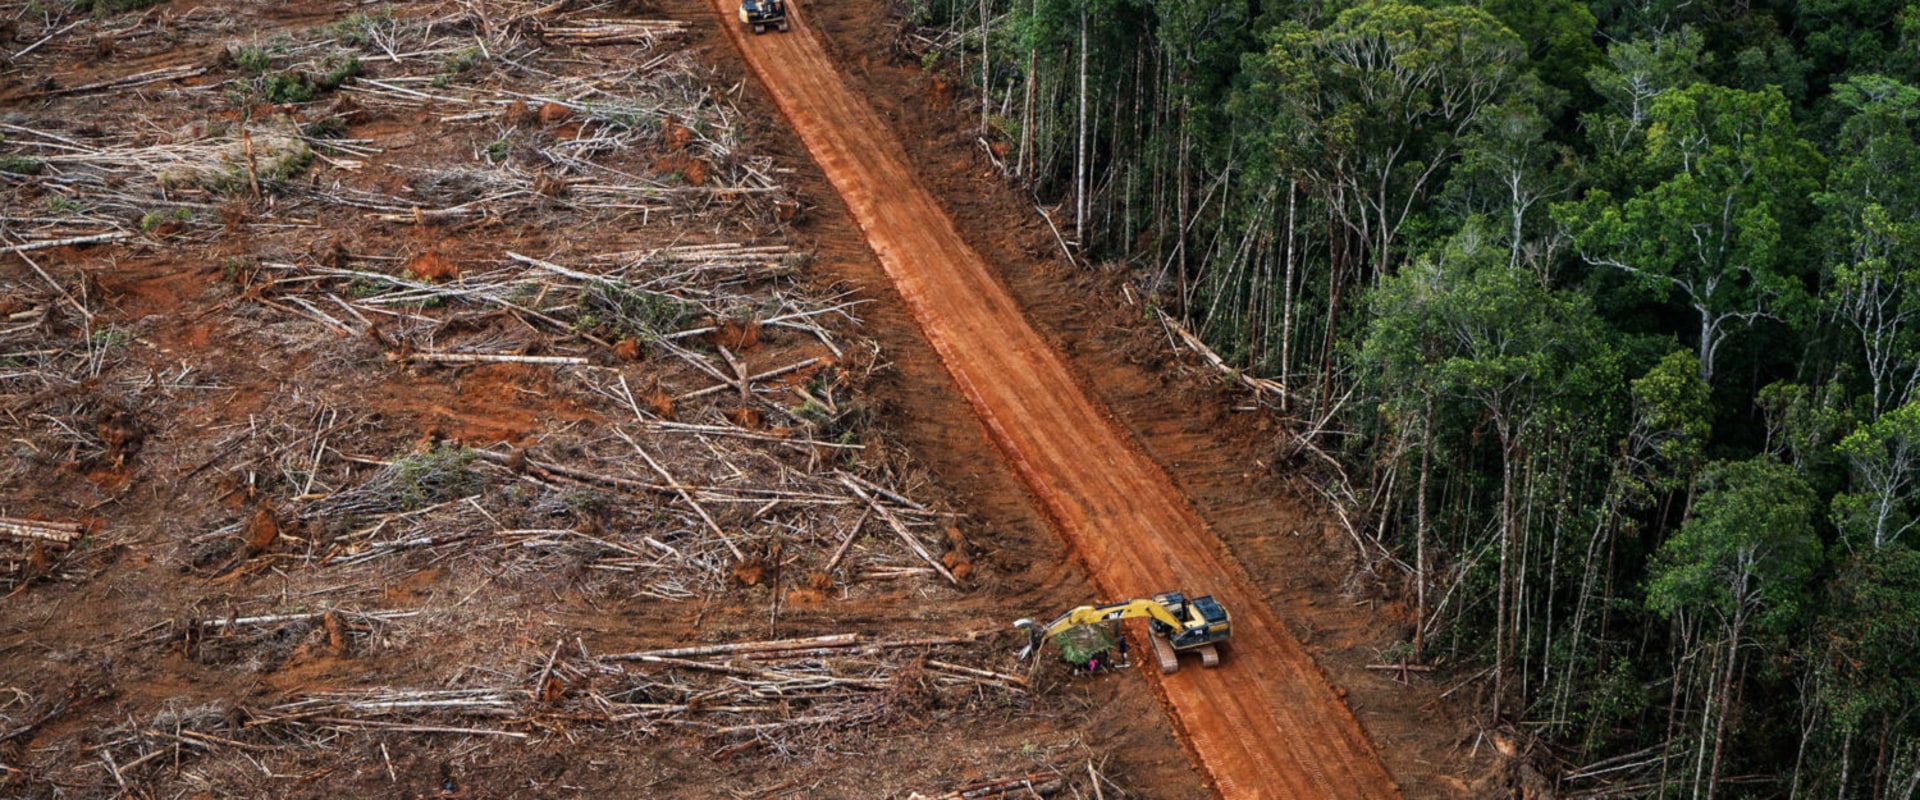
1711, 230
1872, 200
1473, 328
1368, 111
1743, 561
1884, 455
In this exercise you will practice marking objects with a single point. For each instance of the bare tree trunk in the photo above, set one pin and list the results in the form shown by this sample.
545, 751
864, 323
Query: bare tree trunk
986, 68
1506, 551
1420, 536
1080, 148
1025, 162
1726, 696
1286, 309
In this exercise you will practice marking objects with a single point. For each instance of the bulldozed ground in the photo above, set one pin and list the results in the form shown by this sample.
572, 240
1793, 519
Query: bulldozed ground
490, 399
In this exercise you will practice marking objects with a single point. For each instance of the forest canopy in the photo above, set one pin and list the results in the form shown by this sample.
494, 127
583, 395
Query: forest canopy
1609, 310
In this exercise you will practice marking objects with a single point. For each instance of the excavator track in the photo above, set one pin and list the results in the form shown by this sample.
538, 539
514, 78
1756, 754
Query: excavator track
1209, 656
1163, 652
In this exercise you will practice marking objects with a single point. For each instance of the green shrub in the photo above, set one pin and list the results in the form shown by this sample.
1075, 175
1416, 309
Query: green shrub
435, 476
101, 8
253, 58
21, 165
360, 28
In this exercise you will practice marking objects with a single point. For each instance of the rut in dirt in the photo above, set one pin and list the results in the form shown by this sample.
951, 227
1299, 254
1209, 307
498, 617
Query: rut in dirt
1265, 724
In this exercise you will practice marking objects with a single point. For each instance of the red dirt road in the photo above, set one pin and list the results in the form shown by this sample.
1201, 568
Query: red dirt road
1265, 724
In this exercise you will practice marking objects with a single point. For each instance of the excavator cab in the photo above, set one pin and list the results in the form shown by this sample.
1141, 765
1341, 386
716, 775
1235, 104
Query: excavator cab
1202, 620
763, 14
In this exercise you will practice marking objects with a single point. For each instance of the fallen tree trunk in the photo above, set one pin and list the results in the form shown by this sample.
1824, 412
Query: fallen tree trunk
56, 532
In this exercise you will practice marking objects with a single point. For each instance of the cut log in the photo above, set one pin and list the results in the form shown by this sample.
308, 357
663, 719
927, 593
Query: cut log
64, 533
833, 641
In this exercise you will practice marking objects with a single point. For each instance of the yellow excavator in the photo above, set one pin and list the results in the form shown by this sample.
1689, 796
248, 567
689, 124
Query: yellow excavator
1178, 625
760, 15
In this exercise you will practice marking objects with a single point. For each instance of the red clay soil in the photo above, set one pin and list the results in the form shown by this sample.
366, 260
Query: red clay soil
1265, 724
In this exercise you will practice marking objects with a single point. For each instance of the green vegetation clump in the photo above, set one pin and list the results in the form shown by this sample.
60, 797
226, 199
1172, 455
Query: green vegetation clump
21, 165
360, 28
102, 8
442, 473
293, 85
625, 311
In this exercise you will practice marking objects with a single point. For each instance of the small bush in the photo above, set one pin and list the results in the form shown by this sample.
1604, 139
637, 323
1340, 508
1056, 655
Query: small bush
155, 219
329, 128
631, 312
101, 8
256, 59
360, 28
21, 165
438, 475
288, 87
336, 69
462, 60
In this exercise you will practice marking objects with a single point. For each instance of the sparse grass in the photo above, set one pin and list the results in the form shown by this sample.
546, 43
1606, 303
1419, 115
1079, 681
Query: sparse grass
498, 149
464, 59
110, 338
274, 170
234, 267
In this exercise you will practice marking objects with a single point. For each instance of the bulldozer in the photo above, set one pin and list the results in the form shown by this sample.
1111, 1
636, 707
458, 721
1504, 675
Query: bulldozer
1177, 624
763, 14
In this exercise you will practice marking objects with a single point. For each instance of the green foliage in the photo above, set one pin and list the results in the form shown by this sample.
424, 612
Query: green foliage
102, 8
325, 128
1747, 552
1673, 402
1872, 230
253, 58
292, 85
1884, 455
1471, 326
627, 311
1711, 233
1875, 641
461, 60
154, 219
21, 165
437, 475
1370, 107
361, 28
1559, 35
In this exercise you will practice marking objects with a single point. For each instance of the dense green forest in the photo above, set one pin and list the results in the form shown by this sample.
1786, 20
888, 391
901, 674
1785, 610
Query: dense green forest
1607, 312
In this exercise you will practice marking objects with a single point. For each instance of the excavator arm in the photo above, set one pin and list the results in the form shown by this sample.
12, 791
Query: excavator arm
1152, 608
1179, 624
1089, 615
